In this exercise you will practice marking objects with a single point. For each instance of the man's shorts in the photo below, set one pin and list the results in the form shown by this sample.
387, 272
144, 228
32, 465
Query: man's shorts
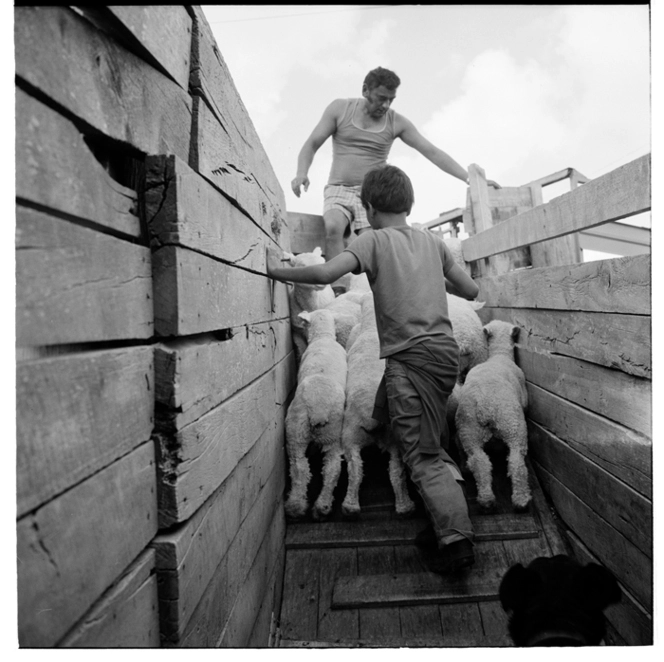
346, 199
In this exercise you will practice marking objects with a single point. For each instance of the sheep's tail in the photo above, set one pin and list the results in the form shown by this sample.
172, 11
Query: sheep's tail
319, 408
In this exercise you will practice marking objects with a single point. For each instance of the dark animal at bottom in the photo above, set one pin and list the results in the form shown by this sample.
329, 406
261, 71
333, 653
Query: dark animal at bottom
557, 602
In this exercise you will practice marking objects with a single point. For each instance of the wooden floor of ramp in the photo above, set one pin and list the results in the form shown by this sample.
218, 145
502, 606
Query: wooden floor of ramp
365, 583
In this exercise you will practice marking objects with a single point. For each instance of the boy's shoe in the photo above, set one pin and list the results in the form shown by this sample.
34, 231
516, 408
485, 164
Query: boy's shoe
453, 558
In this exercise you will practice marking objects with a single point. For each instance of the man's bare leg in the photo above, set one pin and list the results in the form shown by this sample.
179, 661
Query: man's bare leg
336, 226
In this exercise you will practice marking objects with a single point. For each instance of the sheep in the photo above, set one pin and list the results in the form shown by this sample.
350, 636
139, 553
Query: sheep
365, 371
491, 403
555, 601
454, 244
316, 415
467, 331
304, 297
347, 309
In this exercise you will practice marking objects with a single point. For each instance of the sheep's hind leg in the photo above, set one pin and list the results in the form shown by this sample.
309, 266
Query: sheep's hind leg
350, 507
403, 504
518, 473
480, 464
331, 471
300, 474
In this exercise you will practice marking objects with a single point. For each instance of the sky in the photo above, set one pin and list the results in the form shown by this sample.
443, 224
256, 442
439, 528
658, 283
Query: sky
521, 90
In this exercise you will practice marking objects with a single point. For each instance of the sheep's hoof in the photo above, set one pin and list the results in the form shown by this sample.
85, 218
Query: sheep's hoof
406, 513
320, 514
295, 513
487, 508
521, 507
349, 513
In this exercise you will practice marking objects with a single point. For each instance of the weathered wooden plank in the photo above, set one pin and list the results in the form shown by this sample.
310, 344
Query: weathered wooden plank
56, 169
100, 82
239, 152
629, 564
183, 208
620, 193
621, 452
196, 294
75, 415
524, 551
198, 458
494, 618
375, 624
400, 532
612, 394
336, 625
619, 285
479, 199
126, 616
66, 560
76, 285
616, 341
247, 604
307, 231
165, 32
393, 590
461, 619
208, 620
421, 621
188, 556
264, 632
239, 169
195, 375
453, 641
633, 624
626, 510
299, 606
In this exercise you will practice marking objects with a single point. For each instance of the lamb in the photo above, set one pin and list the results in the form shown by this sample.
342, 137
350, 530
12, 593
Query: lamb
348, 309
557, 602
467, 330
316, 415
365, 371
304, 297
491, 403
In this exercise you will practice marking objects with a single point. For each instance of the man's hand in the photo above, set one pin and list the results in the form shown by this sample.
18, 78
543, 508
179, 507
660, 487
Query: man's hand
273, 257
490, 182
300, 181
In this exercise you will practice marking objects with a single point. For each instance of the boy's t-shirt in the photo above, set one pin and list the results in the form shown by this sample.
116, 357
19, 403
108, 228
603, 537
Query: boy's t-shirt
406, 268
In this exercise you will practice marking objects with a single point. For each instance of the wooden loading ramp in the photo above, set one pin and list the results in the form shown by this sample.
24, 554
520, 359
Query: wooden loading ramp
366, 583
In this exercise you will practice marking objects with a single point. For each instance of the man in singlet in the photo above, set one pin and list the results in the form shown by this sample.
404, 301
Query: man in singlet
362, 131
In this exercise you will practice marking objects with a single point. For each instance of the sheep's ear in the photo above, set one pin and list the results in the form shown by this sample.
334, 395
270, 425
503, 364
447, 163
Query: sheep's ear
515, 332
287, 256
306, 316
487, 332
317, 251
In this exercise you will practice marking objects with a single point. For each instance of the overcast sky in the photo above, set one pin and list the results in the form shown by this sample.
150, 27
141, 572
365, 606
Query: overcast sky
523, 91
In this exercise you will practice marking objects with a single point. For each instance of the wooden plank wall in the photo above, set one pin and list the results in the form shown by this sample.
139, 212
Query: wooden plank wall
154, 360
585, 347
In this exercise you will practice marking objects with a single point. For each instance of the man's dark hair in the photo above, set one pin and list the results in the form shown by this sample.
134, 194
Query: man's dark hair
380, 76
387, 189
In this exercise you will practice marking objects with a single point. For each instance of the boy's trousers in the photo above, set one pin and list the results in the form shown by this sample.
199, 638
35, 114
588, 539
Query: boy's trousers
435, 475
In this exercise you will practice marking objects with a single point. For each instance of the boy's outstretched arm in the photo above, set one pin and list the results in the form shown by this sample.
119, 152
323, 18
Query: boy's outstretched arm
317, 274
458, 282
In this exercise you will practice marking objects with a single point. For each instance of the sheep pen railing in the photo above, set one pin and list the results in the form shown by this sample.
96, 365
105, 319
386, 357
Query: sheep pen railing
585, 348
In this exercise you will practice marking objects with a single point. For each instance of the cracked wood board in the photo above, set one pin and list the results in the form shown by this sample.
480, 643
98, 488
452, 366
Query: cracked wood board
196, 460
75, 285
98, 81
126, 616
56, 169
195, 375
196, 294
76, 414
188, 556
617, 285
184, 209
67, 559
240, 169
613, 340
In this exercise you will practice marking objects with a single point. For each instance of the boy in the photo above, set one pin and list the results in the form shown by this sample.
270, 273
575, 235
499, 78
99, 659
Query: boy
408, 270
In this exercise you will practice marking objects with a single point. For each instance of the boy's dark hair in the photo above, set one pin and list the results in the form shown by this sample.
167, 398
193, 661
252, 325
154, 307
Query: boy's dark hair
387, 189
380, 76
